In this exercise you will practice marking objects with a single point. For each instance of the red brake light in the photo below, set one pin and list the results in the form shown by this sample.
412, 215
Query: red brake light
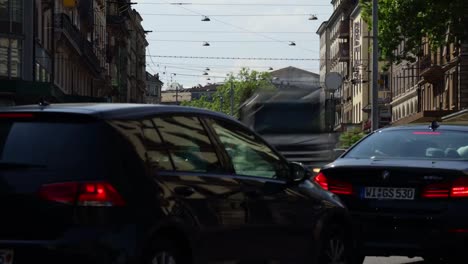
437, 190
460, 188
333, 185
16, 115
322, 180
82, 194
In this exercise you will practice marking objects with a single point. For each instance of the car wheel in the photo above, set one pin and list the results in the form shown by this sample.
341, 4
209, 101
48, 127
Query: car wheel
166, 252
334, 247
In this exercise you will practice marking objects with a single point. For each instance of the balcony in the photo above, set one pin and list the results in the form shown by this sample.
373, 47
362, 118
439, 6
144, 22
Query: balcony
63, 25
343, 53
343, 29
430, 72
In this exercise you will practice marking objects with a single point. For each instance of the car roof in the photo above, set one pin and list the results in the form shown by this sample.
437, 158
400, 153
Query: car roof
442, 126
113, 110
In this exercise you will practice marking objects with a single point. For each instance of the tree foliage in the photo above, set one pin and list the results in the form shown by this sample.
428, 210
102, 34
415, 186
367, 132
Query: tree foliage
244, 84
438, 21
348, 138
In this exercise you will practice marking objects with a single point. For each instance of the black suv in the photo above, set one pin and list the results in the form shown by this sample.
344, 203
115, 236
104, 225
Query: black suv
122, 183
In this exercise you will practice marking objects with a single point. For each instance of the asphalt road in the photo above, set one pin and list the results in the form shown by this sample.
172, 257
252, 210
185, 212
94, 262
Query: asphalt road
393, 260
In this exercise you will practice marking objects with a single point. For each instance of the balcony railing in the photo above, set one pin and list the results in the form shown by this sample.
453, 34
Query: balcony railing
431, 73
64, 25
425, 62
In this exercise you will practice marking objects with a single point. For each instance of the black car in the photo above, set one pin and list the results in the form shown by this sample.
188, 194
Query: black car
407, 190
118, 183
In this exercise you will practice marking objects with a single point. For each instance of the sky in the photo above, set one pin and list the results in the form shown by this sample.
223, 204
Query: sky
238, 29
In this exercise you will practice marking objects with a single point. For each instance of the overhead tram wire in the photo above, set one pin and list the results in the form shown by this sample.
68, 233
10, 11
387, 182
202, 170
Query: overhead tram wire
232, 58
241, 28
230, 32
225, 15
225, 41
231, 4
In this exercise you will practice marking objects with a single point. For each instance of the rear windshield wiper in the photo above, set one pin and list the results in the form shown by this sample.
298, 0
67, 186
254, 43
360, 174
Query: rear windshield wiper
19, 165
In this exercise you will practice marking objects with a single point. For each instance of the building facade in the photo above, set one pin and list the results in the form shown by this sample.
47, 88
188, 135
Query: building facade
59, 50
335, 57
153, 87
432, 87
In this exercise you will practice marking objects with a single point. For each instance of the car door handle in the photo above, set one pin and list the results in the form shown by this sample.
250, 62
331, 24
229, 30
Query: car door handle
184, 190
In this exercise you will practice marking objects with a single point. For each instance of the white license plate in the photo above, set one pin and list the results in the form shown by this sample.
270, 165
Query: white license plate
387, 193
6, 256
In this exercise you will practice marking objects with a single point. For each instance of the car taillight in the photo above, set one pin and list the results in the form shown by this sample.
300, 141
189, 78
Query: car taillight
100, 194
333, 185
322, 180
460, 188
437, 190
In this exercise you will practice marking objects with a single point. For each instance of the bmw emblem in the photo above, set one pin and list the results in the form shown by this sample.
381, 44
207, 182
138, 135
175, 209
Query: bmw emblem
385, 175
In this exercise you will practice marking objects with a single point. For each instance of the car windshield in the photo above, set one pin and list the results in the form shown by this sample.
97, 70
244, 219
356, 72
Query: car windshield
413, 144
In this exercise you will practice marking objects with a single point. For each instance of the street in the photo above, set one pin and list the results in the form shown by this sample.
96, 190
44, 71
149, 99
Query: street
392, 260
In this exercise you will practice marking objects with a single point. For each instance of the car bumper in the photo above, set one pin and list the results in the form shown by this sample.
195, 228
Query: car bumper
408, 235
77, 246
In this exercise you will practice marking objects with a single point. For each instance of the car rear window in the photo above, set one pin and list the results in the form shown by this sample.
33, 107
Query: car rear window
413, 144
52, 145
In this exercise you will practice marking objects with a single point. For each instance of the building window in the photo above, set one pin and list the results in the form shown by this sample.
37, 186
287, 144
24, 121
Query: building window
10, 57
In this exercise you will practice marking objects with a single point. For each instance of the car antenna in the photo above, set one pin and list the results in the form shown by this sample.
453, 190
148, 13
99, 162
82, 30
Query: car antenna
43, 102
434, 125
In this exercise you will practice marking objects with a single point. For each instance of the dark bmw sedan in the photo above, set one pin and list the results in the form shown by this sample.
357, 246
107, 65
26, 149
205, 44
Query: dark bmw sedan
110, 183
407, 190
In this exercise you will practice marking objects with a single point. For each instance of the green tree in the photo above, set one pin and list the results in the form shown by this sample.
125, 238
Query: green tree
348, 138
438, 21
245, 84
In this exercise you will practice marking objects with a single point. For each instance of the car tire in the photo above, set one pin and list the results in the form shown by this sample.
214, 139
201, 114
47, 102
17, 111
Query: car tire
166, 251
334, 247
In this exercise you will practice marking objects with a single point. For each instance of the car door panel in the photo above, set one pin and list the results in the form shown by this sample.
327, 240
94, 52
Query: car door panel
280, 220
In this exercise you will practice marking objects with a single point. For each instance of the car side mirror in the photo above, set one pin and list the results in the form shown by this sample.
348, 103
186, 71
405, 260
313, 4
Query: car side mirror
298, 173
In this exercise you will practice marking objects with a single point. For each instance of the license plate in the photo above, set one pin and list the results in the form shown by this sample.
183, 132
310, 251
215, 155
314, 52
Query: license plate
386, 193
6, 256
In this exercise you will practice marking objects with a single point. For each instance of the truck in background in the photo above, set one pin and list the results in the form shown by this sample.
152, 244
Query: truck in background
298, 123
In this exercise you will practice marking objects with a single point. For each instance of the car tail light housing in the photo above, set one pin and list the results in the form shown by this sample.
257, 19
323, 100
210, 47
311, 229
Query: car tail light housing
333, 185
457, 189
460, 188
437, 190
94, 194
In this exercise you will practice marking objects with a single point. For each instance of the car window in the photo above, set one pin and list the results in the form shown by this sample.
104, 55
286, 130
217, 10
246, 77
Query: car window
158, 156
249, 155
414, 144
71, 146
187, 143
